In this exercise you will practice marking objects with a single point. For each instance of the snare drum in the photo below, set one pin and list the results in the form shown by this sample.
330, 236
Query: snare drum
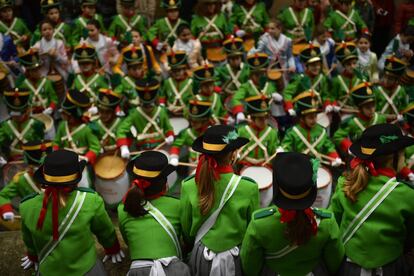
297, 48
47, 120
178, 124
216, 54
248, 44
323, 119
324, 184
264, 179
112, 180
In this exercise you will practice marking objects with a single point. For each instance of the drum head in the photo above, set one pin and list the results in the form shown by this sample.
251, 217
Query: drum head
216, 54
297, 48
323, 119
324, 177
45, 119
109, 166
179, 124
262, 175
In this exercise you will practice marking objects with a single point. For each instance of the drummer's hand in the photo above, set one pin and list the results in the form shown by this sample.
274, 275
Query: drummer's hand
240, 117
48, 111
328, 108
277, 97
174, 161
292, 112
27, 263
8, 216
280, 149
159, 46
2, 161
240, 33
169, 140
411, 177
400, 118
125, 152
116, 258
120, 113
93, 110
336, 108
337, 162
230, 121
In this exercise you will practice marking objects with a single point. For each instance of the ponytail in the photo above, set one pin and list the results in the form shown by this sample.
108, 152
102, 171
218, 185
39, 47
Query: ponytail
356, 181
301, 227
134, 202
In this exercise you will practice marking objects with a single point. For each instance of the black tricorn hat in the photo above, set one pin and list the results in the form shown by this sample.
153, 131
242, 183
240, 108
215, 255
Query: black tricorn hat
199, 109
219, 139
294, 180
60, 168
379, 140
34, 151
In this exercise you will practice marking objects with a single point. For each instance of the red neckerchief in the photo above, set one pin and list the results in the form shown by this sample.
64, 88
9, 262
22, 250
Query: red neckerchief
363, 117
347, 74
287, 216
52, 191
256, 128
386, 172
367, 163
308, 130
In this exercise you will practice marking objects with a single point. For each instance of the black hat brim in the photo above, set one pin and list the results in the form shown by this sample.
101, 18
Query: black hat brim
297, 204
238, 143
169, 169
39, 177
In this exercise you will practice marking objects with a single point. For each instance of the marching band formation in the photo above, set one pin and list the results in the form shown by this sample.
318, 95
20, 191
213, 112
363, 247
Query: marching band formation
240, 143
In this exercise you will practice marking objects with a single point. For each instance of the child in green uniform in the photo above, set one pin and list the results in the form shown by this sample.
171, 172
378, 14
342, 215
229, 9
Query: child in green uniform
364, 98
199, 114
347, 19
290, 237
62, 31
88, 8
20, 127
162, 33
307, 136
296, 19
257, 85
408, 129
127, 21
106, 125
58, 225
148, 124
369, 201
13, 26
216, 204
43, 97
150, 221
23, 184
177, 90
264, 140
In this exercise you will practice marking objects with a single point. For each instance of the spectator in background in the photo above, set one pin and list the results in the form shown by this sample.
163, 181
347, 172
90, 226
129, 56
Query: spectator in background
384, 20
405, 11
70, 10
146, 8
367, 12
108, 9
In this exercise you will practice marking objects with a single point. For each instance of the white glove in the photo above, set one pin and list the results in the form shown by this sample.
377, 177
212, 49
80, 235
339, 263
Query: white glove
169, 140
116, 258
93, 110
329, 109
8, 216
280, 149
292, 112
336, 108
230, 120
27, 263
160, 45
48, 111
240, 117
240, 33
411, 177
125, 152
162, 104
120, 113
400, 118
2, 161
337, 162
277, 97
174, 161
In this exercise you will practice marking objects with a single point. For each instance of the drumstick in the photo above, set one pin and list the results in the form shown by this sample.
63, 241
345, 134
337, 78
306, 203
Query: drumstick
160, 145
141, 151
16, 162
187, 164
270, 159
329, 158
346, 110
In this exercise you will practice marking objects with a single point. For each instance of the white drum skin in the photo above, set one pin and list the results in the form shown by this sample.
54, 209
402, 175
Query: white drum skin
178, 124
112, 190
264, 178
324, 184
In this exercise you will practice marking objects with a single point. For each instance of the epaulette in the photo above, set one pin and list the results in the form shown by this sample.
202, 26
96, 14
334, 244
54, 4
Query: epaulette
84, 189
408, 183
321, 214
189, 177
28, 197
264, 213
17, 176
248, 179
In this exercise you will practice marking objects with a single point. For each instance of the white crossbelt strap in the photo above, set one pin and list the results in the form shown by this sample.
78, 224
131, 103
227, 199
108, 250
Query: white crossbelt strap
211, 24
127, 25
348, 20
87, 86
83, 22
390, 100
368, 209
19, 135
36, 92
249, 17
58, 29
64, 226
151, 122
9, 30
256, 90
178, 101
29, 180
257, 142
234, 78
346, 88
173, 30
299, 25
211, 220
361, 126
310, 147
156, 265
109, 132
69, 138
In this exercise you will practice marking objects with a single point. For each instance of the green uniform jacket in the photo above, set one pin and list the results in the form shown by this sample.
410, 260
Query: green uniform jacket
340, 89
75, 254
170, 88
151, 138
30, 130
106, 134
120, 25
336, 21
16, 29
253, 24
186, 138
44, 97
249, 89
84, 142
265, 237
294, 23
213, 35
127, 89
292, 142
225, 79
255, 154
352, 128
63, 31
145, 237
21, 186
90, 85
79, 27
382, 237
231, 224
163, 30
219, 112
398, 97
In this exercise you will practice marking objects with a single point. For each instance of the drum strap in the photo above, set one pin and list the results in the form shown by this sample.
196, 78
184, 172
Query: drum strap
299, 25
36, 91
348, 20
64, 225
86, 86
172, 29
29, 180
211, 220
109, 132
346, 88
256, 90
58, 29
316, 83
129, 26
178, 101
390, 100
234, 77
211, 24
151, 123
361, 126
310, 147
69, 137
9, 30
166, 224
257, 142
368, 209
19, 135
249, 17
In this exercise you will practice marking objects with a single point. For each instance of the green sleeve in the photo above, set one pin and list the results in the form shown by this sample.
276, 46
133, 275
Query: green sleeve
186, 214
328, 21
163, 91
102, 25
335, 205
290, 90
59, 134
288, 141
254, 201
343, 132
9, 192
93, 141
311, 21
51, 93
359, 22
179, 141
112, 31
153, 32
239, 96
219, 75
251, 253
327, 146
76, 33
125, 126
333, 251
101, 224
196, 25
121, 217
28, 240
273, 143
165, 121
